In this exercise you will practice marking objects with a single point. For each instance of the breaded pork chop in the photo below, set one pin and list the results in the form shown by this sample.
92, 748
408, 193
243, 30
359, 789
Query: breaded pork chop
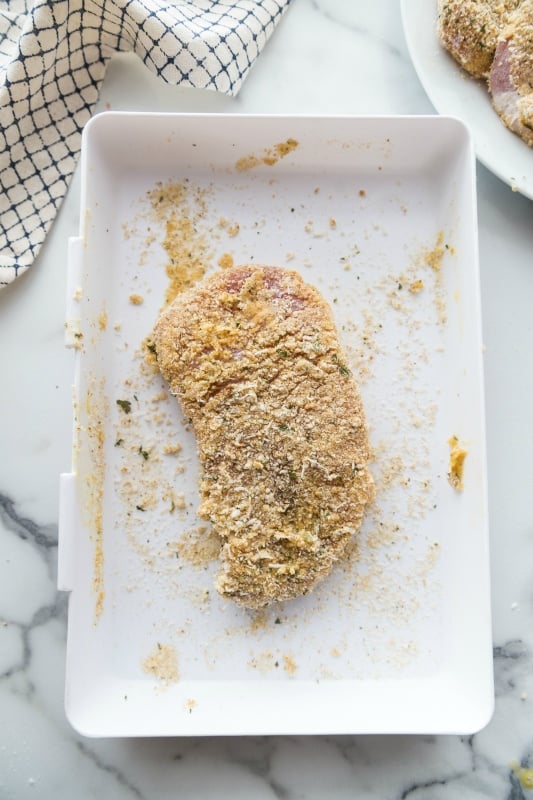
469, 30
253, 355
511, 75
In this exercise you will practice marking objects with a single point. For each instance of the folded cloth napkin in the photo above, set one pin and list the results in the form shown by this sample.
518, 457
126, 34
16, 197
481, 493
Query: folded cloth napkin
53, 56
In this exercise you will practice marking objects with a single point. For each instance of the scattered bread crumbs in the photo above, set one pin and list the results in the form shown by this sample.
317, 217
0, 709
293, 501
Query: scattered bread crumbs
102, 320
96, 411
231, 228
175, 500
172, 449
430, 256
179, 500
332, 223
73, 337
162, 663
457, 460
263, 662
269, 156
225, 261
190, 705
370, 578
433, 257
160, 397
136, 299
260, 620
198, 546
181, 208
289, 665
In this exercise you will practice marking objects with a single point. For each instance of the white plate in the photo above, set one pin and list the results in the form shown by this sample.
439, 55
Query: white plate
454, 93
397, 640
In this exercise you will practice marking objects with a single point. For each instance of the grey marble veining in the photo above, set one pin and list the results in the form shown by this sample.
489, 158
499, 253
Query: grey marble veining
326, 57
368, 23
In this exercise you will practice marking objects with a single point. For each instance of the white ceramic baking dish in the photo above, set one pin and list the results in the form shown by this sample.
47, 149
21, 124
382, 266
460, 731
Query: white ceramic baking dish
380, 215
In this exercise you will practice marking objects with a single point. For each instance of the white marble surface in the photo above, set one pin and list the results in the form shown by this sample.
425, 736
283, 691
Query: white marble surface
327, 56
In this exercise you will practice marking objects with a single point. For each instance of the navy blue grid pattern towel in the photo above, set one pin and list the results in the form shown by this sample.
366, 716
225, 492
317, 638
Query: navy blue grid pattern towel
53, 56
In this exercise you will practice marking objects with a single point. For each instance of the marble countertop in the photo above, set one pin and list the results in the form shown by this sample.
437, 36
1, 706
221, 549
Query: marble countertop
326, 57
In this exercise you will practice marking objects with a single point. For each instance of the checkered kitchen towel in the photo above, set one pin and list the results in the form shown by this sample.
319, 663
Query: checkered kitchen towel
53, 55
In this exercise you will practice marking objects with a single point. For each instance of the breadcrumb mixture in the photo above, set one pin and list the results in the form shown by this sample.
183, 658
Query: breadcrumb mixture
180, 208
269, 156
162, 663
253, 355
96, 411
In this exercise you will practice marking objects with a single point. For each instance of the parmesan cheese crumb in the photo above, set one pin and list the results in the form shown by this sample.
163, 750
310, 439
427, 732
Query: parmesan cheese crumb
457, 459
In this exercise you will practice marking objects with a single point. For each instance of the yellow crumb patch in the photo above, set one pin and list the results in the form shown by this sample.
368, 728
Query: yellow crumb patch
96, 409
231, 228
182, 210
172, 449
289, 665
433, 257
162, 663
136, 299
269, 156
457, 460
225, 261
198, 546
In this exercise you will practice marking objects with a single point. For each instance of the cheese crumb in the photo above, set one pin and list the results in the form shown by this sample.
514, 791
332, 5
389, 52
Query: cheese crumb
457, 459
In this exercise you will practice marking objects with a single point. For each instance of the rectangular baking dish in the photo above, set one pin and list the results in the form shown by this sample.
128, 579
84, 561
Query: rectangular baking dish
380, 215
